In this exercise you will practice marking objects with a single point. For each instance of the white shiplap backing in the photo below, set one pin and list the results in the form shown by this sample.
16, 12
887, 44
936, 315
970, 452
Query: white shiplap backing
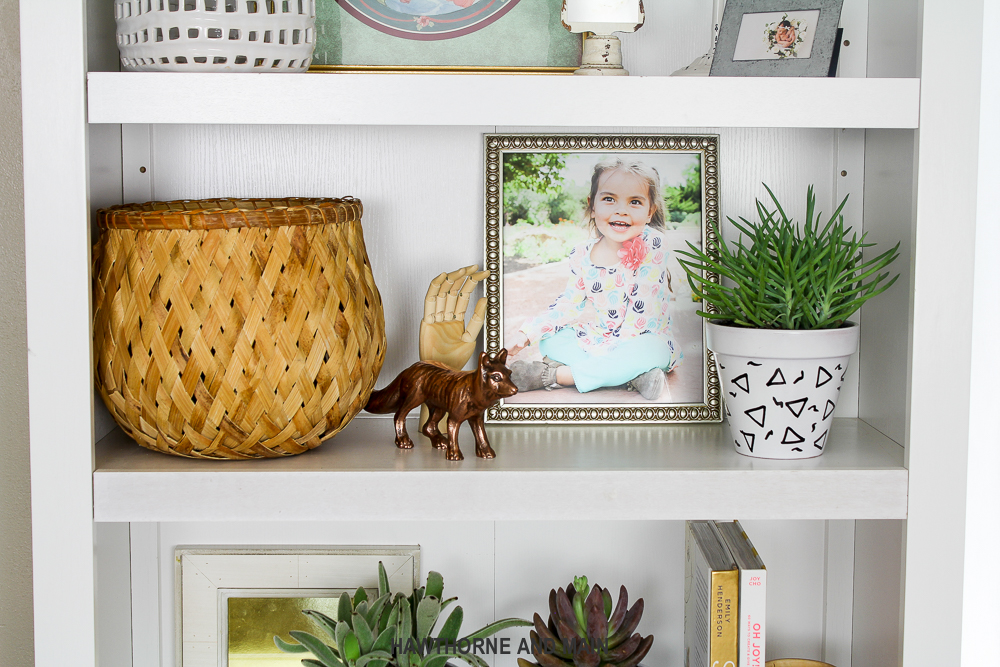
423, 193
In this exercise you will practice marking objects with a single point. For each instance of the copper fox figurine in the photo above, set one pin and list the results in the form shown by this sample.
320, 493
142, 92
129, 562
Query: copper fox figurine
464, 395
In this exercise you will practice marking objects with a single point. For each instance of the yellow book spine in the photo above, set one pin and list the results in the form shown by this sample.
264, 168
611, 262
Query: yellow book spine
723, 646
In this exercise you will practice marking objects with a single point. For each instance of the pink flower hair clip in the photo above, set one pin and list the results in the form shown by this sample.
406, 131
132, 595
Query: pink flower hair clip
632, 253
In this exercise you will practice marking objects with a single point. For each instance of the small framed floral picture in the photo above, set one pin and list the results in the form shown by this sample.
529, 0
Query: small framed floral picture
777, 38
585, 291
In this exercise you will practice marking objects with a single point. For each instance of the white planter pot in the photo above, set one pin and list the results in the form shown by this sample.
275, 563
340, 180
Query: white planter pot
781, 387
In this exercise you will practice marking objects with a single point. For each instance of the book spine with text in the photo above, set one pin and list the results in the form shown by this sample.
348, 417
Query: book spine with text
753, 588
725, 618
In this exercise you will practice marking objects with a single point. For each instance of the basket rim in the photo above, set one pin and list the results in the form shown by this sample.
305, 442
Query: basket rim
230, 213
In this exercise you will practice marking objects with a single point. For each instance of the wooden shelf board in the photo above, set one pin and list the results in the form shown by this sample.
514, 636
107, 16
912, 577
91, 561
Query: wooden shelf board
507, 100
542, 472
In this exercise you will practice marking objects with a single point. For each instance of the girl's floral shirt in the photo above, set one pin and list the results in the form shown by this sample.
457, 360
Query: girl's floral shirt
630, 298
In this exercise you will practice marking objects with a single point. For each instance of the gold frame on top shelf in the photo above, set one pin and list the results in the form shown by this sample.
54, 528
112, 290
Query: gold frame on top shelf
516, 33
439, 69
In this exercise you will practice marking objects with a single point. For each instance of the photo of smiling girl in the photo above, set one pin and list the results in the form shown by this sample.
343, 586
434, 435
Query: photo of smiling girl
611, 326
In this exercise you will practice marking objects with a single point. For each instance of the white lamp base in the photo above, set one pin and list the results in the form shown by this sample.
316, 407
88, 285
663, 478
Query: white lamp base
602, 56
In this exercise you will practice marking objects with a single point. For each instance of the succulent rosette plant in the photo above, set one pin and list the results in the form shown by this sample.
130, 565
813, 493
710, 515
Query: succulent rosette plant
396, 631
585, 632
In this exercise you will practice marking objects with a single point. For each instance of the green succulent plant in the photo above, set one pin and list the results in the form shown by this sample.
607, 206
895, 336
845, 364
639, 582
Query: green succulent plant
393, 630
813, 277
583, 631
361, 637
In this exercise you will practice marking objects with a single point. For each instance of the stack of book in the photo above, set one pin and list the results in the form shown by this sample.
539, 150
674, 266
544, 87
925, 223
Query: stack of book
724, 597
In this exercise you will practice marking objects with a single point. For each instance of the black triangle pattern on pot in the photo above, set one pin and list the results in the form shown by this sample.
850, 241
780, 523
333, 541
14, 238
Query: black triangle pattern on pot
755, 426
791, 437
820, 442
777, 378
799, 403
758, 415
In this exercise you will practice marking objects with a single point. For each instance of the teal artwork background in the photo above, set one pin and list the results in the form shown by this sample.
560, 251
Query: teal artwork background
529, 35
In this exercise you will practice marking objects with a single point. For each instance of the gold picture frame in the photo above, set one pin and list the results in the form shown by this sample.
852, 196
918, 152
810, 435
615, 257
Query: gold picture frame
439, 69
208, 578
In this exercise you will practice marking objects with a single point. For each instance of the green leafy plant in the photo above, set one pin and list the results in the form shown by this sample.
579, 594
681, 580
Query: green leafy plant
583, 631
361, 637
813, 277
392, 630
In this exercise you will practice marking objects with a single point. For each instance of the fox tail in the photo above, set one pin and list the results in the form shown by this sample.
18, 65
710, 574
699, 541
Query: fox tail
385, 400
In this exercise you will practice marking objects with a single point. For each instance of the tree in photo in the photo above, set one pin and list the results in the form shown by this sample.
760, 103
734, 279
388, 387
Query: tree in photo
683, 202
530, 182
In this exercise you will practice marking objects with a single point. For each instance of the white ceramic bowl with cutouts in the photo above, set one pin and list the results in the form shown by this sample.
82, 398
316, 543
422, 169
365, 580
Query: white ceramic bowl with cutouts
216, 35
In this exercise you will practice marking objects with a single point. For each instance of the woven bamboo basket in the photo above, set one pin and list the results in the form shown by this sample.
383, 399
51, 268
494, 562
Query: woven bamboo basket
233, 329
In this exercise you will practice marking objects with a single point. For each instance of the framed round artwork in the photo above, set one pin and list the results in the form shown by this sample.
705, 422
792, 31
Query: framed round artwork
427, 19
499, 36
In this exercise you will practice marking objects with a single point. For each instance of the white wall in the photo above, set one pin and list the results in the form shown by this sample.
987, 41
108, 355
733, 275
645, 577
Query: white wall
980, 615
15, 513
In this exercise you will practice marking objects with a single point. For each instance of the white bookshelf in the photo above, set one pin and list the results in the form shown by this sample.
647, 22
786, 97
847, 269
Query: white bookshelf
643, 472
909, 147
406, 99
